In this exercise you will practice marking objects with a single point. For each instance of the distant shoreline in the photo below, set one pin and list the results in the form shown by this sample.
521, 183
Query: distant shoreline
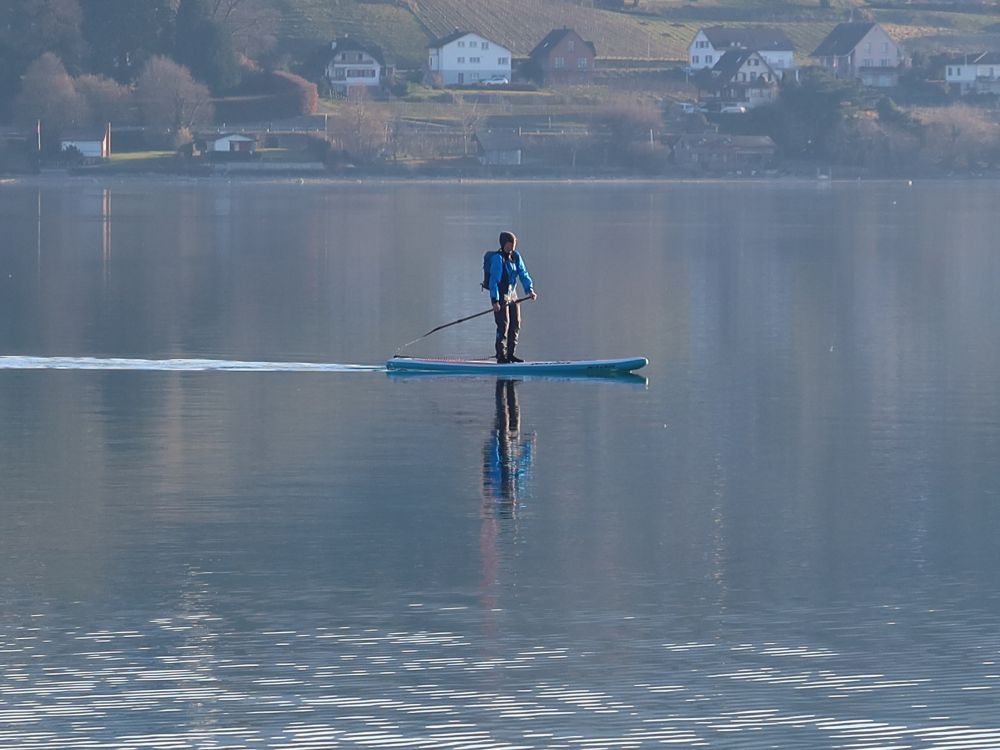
50, 177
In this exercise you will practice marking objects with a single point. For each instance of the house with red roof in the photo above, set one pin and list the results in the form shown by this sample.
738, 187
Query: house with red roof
563, 57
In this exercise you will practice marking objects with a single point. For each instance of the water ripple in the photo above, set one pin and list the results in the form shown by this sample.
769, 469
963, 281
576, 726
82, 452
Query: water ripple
171, 365
343, 687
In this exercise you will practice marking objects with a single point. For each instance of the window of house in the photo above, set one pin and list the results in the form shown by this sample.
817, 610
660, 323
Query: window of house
958, 71
485, 45
570, 45
473, 59
885, 46
884, 62
503, 61
695, 59
581, 63
560, 62
708, 59
753, 75
868, 47
866, 63
461, 60
461, 44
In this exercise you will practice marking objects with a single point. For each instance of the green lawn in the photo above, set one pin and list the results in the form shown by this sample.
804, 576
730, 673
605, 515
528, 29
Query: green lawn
140, 159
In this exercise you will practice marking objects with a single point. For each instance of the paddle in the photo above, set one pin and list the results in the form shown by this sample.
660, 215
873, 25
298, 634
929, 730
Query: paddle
456, 322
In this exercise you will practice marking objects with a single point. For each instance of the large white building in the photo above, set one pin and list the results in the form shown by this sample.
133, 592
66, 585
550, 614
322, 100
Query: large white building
711, 43
863, 51
974, 74
464, 58
355, 65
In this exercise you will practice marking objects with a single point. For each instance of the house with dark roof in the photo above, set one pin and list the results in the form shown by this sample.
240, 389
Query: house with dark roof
710, 43
863, 51
741, 77
978, 73
466, 58
356, 65
563, 57
718, 152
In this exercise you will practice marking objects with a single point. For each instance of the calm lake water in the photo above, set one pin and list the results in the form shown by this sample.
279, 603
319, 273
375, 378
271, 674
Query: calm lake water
788, 537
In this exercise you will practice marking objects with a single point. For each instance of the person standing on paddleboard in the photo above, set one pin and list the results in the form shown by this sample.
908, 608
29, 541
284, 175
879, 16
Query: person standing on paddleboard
506, 269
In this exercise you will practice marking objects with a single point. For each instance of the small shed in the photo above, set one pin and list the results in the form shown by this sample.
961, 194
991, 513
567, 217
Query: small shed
93, 145
233, 143
499, 147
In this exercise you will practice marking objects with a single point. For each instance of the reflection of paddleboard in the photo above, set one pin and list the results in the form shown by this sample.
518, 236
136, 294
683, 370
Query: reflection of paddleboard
599, 367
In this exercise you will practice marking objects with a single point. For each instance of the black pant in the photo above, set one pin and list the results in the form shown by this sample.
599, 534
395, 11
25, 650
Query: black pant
508, 321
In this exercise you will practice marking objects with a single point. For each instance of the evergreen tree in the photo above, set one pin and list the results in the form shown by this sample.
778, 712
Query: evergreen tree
30, 28
123, 34
204, 47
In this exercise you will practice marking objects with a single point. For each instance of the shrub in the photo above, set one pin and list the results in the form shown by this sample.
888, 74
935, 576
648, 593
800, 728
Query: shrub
269, 96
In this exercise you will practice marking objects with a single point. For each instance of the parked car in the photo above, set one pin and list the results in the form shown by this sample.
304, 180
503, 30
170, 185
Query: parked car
733, 109
496, 81
688, 108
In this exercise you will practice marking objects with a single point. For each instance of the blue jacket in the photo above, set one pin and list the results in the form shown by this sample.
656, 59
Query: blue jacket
515, 271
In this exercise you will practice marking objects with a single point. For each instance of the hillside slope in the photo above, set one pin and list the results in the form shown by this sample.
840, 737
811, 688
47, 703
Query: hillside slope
661, 30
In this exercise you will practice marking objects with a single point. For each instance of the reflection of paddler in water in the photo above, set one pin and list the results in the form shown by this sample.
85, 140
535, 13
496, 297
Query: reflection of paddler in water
507, 459
507, 455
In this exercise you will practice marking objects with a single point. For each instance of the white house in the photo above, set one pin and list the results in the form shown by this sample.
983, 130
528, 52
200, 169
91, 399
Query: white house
233, 143
709, 44
92, 145
741, 77
974, 74
355, 65
466, 58
864, 51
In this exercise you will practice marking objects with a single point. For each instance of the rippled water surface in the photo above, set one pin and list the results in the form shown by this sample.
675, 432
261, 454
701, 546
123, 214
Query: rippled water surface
224, 525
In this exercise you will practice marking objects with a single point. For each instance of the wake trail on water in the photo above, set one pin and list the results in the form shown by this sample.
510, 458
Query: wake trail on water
175, 365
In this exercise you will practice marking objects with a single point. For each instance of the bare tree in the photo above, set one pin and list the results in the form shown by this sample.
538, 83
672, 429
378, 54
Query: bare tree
106, 100
469, 118
252, 24
169, 97
959, 136
49, 94
360, 126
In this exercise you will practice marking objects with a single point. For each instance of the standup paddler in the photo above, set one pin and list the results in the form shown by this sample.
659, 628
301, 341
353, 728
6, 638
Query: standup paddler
506, 269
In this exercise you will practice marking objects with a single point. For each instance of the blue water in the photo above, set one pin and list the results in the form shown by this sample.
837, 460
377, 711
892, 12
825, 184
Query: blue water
225, 526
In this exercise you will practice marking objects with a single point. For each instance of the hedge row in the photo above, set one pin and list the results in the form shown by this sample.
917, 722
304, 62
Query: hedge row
268, 96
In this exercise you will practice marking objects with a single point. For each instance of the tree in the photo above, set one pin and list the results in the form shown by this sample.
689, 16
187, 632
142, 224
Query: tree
48, 94
361, 127
805, 116
469, 118
960, 137
252, 25
204, 47
123, 34
106, 100
168, 97
28, 29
